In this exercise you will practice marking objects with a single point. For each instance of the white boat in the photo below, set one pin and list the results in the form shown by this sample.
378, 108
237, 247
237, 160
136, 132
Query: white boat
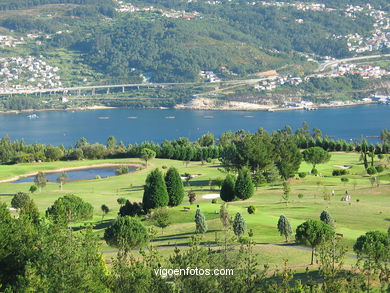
32, 116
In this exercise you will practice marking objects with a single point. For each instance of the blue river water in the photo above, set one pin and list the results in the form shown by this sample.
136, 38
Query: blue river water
134, 126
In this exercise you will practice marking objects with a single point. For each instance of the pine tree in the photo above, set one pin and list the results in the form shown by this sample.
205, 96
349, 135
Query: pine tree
200, 222
155, 191
174, 187
239, 225
326, 218
284, 227
244, 187
227, 189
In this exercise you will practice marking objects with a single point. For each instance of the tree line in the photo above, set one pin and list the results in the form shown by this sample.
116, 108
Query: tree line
259, 151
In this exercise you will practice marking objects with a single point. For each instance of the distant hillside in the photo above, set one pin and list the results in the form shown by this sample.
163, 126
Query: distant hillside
173, 40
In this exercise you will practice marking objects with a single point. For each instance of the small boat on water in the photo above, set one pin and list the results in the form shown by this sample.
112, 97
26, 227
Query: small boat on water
132, 117
103, 118
248, 116
32, 116
208, 117
170, 117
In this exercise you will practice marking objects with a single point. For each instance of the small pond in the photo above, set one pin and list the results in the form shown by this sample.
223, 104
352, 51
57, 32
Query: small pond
74, 175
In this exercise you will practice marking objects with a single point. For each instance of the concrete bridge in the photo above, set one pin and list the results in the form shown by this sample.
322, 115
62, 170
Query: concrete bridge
122, 87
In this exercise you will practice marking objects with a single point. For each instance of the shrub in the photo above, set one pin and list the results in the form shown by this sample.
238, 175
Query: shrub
381, 156
214, 200
33, 188
70, 208
98, 177
344, 179
131, 209
314, 171
338, 172
208, 160
20, 200
379, 168
371, 171
300, 195
251, 210
126, 233
122, 170
164, 167
302, 174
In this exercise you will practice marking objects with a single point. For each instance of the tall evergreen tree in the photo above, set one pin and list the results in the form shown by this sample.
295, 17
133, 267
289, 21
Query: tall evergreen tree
155, 191
239, 225
244, 187
227, 189
288, 156
200, 222
326, 218
175, 187
284, 227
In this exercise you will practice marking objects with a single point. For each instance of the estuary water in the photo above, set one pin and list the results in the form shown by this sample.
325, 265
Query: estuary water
134, 126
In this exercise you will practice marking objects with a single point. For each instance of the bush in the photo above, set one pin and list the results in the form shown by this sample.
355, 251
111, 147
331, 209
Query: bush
344, 179
70, 208
302, 174
33, 188
300, 195
379, 168
338, 172
208, 160
131, 209
126, 233
20, 200
371, 171
98, 177
214, 200
381, 156
251, 210
122, 170
164, 167
314, 171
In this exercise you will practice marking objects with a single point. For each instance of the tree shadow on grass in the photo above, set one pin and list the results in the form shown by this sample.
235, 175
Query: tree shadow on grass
6, 194
179, 236
387, 219
103, 224
133, 188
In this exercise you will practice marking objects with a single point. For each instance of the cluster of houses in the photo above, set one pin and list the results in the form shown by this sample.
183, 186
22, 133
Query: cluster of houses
267, 85
380, 36
304, 6
10, 41
209, 76
380, 99
27, 73
128, 7
365, 70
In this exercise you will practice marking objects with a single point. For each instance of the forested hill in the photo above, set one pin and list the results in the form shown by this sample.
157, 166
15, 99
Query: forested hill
173, 40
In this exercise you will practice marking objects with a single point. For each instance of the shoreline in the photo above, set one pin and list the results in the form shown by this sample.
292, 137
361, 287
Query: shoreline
264, 108
89, 108
97, 166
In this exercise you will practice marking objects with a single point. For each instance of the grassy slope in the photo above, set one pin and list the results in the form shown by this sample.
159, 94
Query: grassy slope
352, 219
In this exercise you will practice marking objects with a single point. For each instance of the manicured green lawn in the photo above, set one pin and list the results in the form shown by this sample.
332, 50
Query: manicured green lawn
371, 212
